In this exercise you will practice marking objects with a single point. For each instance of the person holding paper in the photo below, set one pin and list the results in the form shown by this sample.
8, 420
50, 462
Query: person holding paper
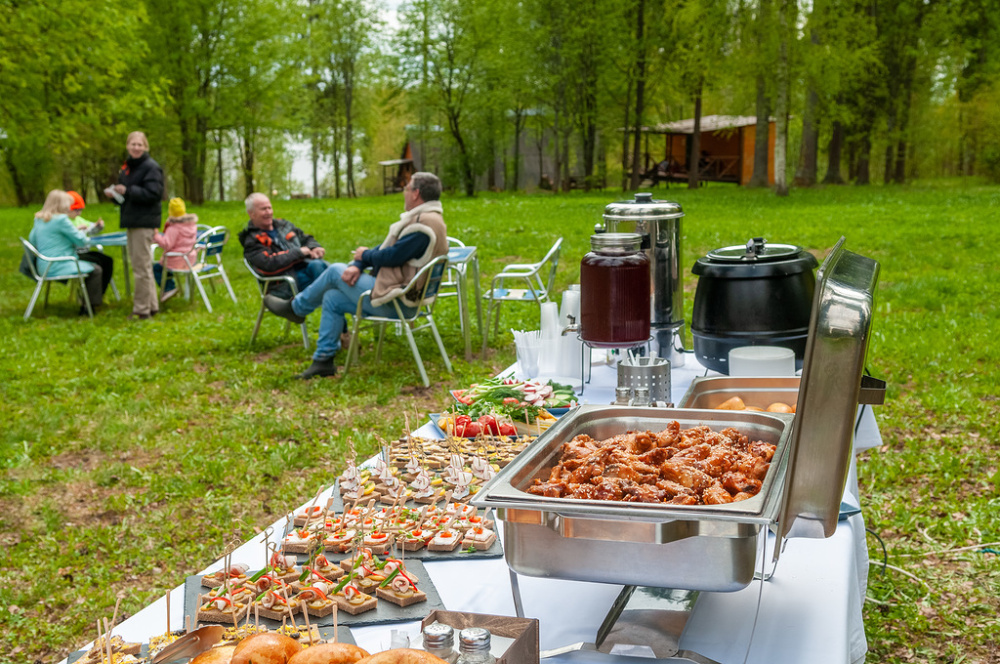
139, 192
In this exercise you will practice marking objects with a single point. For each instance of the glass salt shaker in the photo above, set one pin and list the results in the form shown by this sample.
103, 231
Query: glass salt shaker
474, 646
641, 397
439, 640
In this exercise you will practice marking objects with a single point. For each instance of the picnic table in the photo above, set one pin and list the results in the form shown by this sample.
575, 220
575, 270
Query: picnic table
116, 239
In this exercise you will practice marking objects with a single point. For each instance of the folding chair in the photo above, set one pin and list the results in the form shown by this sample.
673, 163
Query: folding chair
31, 256
434, 274
263, 285
537, 288
210, 244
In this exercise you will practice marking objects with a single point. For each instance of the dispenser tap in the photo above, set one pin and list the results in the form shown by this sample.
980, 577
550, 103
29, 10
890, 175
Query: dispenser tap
572, 327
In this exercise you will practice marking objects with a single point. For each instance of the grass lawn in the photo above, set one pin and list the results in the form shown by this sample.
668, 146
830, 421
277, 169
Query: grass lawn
130, 453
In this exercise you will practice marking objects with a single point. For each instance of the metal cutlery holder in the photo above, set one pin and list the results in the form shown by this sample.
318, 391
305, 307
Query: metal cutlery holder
651, 373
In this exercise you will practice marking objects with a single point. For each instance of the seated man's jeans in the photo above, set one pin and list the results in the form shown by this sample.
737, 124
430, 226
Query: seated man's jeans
308, 272
332, 293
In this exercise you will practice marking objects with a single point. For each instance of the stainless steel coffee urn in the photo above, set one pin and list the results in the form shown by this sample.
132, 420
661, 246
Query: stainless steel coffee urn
659, 224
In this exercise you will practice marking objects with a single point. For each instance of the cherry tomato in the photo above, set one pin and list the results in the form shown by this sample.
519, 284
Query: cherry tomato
472, 430
489, 424
507, 429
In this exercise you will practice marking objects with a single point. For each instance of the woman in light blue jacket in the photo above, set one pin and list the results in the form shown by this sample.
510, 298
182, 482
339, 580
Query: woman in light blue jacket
54, 235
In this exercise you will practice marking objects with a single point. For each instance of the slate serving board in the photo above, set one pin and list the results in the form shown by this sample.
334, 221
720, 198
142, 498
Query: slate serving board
384, 613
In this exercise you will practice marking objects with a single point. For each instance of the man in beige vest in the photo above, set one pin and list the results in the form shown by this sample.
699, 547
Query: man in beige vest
415, 240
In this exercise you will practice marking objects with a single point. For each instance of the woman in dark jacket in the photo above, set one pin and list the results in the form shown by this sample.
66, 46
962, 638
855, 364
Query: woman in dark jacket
140, 186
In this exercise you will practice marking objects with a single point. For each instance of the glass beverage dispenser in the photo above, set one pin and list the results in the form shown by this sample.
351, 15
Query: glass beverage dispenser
658, 223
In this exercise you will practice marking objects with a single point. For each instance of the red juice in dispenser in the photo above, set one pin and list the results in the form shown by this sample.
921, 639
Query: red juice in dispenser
614, 291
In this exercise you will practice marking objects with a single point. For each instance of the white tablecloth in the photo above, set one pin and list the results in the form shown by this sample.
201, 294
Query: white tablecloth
810, 609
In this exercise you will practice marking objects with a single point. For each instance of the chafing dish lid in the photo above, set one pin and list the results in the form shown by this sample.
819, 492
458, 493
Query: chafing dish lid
821, 449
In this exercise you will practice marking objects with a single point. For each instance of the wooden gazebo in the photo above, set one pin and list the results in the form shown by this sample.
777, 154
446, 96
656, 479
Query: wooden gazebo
727, 145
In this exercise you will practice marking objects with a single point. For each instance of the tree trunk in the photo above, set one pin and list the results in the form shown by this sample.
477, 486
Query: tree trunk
314, 158
248, 161
833, 155
640, 92
784, 82
557, 181
515, 183
694, 161
218, 159
805, 174
864, 161
349, 127
625, 134
336, 161
761, 141
468, 179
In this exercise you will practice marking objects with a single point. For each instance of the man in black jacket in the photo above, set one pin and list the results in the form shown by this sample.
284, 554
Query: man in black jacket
139, 192
276, 246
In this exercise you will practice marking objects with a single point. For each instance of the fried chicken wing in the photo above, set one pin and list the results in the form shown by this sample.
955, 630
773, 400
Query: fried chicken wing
695, 466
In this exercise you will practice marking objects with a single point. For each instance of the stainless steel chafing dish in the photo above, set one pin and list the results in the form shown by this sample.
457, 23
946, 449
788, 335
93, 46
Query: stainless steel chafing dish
711, 391
702, 547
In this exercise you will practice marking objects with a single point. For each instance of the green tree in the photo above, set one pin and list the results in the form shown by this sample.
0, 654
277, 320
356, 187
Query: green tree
448, 39
66, 88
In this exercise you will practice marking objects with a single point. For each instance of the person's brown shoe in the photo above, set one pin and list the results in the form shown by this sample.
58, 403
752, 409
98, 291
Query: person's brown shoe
135, 316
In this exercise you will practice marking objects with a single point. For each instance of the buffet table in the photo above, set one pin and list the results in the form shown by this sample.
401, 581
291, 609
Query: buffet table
809, 610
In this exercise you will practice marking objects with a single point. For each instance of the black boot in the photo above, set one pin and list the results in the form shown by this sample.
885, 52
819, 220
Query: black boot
319, 368
282, 308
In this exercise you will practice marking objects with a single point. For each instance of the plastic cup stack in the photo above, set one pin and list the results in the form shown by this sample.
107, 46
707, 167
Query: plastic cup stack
551, 340
528, 345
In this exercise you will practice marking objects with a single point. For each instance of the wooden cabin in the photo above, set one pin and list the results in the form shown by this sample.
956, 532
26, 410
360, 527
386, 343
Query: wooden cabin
727, 144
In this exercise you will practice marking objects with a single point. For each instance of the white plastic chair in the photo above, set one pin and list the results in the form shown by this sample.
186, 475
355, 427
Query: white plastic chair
209, 244
32, 255
263, 285
537, 286
433, 272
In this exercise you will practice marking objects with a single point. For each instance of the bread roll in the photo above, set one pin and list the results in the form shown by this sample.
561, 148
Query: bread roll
402, 656
220, 655
266, 648
329, 653
755, 408
735, 403
778, 407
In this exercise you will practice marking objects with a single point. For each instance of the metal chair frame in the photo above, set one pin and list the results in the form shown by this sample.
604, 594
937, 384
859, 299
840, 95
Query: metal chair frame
263, 285
209, 243
531, 275
33, 254
434, 272
452, 285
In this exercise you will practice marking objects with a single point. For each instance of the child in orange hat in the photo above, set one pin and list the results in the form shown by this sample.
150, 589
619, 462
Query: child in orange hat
75, 208
106, 262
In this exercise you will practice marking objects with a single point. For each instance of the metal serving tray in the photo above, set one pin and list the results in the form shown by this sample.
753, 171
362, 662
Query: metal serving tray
761, 392
696, 547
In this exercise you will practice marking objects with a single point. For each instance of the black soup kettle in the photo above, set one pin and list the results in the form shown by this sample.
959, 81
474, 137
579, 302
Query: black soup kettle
758, 294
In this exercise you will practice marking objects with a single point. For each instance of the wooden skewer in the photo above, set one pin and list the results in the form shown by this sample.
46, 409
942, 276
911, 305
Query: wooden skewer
99, 643
305, 616
168, 612
335, 622
187, 624
114, 616
107, 641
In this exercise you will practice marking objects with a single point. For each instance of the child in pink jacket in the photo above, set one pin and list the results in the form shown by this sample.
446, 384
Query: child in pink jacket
178, 236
